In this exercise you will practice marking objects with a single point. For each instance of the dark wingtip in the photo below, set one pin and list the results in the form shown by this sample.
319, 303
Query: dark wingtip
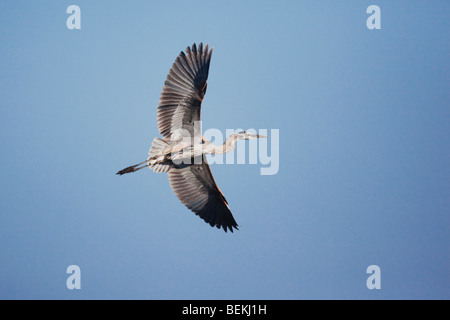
224, 227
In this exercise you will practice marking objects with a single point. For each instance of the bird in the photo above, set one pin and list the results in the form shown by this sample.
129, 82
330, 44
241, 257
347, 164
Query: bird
181, 152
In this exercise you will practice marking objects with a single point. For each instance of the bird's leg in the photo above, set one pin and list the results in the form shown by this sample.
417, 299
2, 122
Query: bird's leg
133, 168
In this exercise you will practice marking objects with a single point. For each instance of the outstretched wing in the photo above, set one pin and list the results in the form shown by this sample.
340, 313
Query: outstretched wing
183, 92
194, 185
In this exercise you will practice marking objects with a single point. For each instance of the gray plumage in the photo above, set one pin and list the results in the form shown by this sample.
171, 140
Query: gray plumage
178, 111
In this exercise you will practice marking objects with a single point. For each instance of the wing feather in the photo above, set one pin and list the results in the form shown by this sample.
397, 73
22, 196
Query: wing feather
195, 187
179, 107
183, 91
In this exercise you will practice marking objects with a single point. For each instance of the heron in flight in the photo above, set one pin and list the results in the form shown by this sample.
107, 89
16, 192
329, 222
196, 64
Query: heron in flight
182, 150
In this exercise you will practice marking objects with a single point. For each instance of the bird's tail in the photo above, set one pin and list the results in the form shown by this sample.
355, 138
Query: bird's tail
158, 147
155, 161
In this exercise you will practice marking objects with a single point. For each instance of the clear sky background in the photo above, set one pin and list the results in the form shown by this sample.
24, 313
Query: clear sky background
364, 177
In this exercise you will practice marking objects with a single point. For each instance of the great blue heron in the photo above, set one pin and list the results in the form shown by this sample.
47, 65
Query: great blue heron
178, 113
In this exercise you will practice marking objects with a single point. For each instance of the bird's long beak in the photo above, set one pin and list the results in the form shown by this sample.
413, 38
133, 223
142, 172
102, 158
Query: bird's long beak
261, 136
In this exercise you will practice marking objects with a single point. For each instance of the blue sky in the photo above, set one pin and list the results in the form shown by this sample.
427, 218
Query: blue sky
364, 177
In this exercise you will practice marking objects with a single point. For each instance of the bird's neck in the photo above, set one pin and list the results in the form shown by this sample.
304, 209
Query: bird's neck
227, 146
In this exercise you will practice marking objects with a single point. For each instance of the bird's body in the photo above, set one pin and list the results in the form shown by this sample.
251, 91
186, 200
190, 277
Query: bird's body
181, 152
